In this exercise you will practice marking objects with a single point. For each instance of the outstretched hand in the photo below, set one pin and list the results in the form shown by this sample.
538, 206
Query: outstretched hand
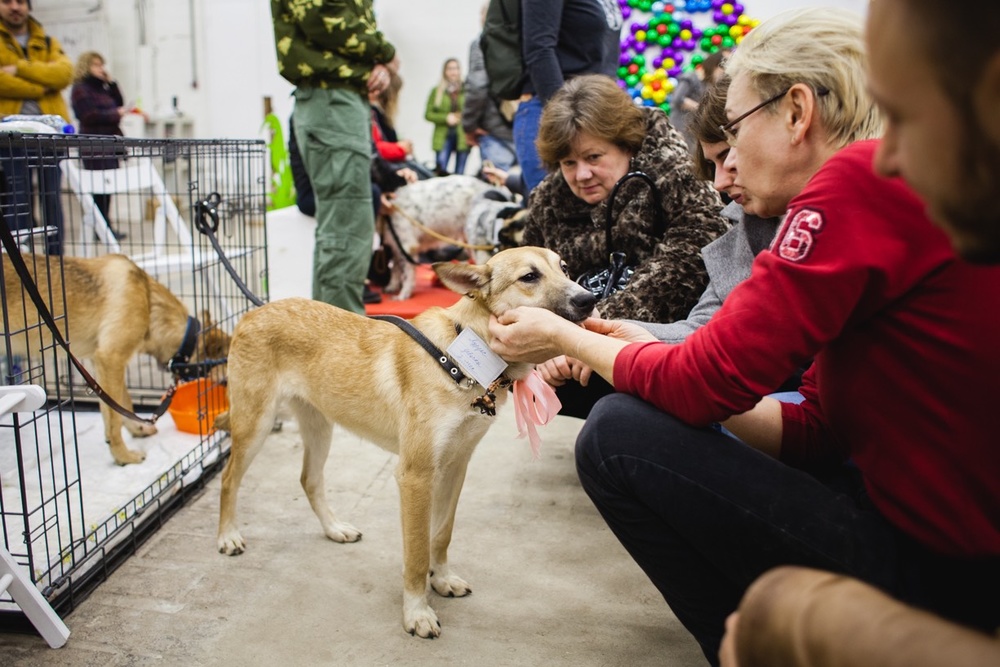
627, 331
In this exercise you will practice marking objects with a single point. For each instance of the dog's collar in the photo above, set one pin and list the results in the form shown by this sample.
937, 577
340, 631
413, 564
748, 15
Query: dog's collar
443, 360
188, 343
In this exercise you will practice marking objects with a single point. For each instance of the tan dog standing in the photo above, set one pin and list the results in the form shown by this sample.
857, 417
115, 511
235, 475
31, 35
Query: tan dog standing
372, 378
113, 310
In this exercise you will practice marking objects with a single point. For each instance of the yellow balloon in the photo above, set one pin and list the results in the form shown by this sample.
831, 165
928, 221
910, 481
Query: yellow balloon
640, 35
647, 92
669, 63
685, 34
725, 9
736, 31
647, 77
660, 96
743, 20
738, 39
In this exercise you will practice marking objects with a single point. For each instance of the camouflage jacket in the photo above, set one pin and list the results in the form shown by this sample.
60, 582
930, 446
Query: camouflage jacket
328, 43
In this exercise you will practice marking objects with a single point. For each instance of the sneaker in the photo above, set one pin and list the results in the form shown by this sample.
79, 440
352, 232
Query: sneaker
368, 295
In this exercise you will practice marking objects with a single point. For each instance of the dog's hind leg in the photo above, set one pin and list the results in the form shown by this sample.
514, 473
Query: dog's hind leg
248, 428
446, 493
317, 432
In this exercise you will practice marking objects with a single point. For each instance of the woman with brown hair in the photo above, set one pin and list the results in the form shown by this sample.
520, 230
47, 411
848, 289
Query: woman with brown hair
591, 135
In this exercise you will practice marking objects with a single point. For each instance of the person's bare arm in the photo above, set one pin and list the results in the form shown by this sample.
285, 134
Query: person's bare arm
759, 427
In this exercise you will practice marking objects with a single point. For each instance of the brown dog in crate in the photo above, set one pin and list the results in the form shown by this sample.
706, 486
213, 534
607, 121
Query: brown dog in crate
113, 310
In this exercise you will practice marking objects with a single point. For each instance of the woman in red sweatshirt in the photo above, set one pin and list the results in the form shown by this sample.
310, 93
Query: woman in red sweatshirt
888, 470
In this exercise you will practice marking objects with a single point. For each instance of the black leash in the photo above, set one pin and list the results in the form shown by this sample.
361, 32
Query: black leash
28, 282
207, 222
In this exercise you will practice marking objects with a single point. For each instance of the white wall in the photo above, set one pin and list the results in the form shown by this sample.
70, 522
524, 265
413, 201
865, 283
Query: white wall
222, 75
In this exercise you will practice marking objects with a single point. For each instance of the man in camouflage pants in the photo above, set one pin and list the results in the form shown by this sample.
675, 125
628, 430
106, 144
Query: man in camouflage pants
334, 54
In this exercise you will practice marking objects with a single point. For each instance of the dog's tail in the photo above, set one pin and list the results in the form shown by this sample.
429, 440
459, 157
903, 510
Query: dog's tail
222, 421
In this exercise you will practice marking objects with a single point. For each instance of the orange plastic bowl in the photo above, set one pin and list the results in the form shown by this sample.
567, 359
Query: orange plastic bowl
196, 404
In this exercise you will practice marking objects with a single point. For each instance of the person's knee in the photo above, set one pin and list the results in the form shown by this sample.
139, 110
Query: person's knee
597, 434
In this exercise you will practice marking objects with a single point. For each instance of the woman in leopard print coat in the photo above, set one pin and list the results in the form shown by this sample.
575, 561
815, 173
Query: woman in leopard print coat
669, 273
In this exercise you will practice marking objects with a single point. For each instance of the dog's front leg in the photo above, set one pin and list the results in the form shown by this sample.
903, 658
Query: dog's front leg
416, 481
446, 493
110, 374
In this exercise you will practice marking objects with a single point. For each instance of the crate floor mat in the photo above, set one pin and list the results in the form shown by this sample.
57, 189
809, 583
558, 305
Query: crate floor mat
108, 496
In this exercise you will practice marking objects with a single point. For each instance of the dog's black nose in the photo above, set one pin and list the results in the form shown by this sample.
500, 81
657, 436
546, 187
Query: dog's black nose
584, 302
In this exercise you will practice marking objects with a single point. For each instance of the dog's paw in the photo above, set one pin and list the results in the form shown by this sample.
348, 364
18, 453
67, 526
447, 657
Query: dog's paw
341, 531
125, 456
421, 621
403, 296
450, 586
143, 430
231, 543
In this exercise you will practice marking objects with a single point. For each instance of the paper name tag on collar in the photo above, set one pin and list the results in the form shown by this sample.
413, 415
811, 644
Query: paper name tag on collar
476, 358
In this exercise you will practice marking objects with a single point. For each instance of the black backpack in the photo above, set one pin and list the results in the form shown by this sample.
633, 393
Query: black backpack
500, 42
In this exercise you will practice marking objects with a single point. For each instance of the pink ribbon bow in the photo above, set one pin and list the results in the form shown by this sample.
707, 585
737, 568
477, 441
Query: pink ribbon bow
535, 403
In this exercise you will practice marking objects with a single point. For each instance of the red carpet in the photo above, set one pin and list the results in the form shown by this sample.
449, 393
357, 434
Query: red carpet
427, 293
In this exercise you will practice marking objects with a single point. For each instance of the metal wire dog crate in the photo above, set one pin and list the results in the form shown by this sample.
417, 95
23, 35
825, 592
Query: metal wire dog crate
191, 214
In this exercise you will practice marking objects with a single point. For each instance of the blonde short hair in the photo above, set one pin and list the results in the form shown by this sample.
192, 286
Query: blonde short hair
824, 48
83, 64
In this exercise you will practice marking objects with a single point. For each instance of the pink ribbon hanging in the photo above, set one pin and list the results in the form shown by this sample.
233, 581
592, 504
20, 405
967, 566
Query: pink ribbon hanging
535, 403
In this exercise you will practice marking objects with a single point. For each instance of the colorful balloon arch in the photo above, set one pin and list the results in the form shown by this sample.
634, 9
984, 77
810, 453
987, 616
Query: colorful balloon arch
666, 39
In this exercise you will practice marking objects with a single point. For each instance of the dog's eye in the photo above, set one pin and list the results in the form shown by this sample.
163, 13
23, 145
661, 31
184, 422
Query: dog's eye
564, 267
530, 278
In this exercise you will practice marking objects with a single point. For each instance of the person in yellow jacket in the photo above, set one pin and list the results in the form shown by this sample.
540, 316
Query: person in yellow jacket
33, 72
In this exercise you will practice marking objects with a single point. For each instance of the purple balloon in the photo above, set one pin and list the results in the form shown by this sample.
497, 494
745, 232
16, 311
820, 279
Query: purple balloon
686, 24
640, 47
626, 12
657, 62
717, 4
623, 59
737, 9
635, 27
718, 16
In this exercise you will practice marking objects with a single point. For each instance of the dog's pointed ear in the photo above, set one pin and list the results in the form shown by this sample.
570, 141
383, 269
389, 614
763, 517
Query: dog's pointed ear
206, 320
461, 277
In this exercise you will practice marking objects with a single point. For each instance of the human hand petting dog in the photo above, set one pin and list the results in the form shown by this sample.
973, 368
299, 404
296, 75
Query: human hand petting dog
535, 335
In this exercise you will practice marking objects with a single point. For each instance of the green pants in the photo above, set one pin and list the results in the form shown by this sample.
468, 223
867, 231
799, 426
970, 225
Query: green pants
333, 130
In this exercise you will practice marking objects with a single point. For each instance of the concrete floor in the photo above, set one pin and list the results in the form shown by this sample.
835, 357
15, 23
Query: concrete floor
551, 584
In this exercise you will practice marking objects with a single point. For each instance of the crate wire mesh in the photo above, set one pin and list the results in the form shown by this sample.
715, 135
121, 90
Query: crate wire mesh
68, 513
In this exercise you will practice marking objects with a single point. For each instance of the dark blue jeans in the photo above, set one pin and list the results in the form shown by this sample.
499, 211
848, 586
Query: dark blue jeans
16, 202
704, 515
450, 148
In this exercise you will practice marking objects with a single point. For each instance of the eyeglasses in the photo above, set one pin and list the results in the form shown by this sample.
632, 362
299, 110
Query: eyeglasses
727, 129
